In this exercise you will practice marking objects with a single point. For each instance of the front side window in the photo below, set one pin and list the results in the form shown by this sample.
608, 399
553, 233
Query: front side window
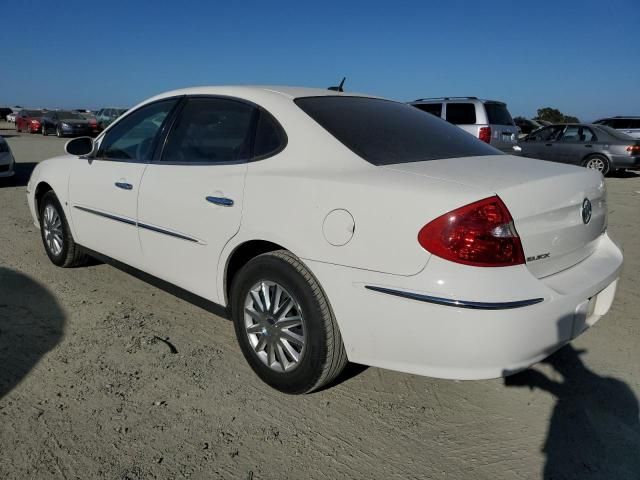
461, 113
432, 108
210, 130
384, 132
132, 138
547, 134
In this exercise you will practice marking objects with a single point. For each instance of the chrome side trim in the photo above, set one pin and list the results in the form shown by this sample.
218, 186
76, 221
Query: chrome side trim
141, 225
457, 303
167, 232
107, 215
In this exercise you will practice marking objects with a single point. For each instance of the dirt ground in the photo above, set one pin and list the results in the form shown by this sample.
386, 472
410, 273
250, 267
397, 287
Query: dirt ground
91, 388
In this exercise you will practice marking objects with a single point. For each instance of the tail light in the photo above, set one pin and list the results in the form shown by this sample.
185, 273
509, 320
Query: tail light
633, 149
481, 234
35, 122
485, 134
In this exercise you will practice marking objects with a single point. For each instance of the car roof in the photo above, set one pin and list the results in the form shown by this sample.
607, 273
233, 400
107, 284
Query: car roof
258, 90
455, 99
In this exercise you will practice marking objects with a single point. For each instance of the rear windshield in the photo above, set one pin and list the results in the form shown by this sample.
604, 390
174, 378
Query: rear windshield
615, 133
70, 116
498, 114
384, 132
33, 113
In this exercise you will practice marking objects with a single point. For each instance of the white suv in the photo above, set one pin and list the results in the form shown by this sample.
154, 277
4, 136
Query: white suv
488, 120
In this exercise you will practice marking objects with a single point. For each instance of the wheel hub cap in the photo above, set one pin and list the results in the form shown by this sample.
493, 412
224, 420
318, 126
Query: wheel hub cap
53, 230
274, 325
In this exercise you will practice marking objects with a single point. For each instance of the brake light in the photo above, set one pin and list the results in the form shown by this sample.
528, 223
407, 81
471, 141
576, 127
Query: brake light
35, 122
481, 234
633, 149
485, 134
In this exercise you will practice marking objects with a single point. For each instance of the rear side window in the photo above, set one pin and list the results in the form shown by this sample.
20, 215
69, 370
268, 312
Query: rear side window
383, 132
270, 137
497, 114
210, 130
461, 113
432, 108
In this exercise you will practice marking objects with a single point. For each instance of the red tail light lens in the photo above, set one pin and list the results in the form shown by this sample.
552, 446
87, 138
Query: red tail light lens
485, 134
633, 149
481, 234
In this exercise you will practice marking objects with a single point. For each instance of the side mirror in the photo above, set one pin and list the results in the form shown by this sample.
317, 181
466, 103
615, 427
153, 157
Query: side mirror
79, 146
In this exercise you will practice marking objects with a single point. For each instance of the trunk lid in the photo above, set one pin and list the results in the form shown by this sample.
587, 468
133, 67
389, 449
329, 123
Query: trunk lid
546, 201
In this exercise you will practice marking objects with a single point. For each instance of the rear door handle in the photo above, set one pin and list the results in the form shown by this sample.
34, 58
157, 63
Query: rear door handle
124, 185
548, 144
588, 146
225, 202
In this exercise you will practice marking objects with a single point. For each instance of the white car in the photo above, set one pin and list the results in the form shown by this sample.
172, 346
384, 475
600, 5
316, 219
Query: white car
11, 117
7, 162
337, 227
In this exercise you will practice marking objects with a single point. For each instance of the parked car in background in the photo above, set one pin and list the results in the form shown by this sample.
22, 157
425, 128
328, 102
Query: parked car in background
11, 117
488, 120
526, 126
335, 226
65, 123
4, 111
106, 116
627, 125
7, 161
593, 146
29, 121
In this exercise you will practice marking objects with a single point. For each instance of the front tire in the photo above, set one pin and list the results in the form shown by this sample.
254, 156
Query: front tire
598, 162
284, 324
58, 242
44, 130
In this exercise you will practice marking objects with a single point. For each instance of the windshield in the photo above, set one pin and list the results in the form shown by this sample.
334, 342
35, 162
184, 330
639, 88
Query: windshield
70, 116
384, 132
498, 114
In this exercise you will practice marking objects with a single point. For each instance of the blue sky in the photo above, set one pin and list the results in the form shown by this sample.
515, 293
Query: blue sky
581, 57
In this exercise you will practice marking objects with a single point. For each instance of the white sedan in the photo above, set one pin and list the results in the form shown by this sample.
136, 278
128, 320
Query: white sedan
336, 227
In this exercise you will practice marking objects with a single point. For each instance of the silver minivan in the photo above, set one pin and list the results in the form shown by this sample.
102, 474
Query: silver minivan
488, 120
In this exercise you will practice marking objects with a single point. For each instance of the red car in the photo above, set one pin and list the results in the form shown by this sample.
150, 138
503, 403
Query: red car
29, 121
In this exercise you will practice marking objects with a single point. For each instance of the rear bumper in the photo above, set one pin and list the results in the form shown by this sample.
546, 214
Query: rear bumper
625, 161
459, 341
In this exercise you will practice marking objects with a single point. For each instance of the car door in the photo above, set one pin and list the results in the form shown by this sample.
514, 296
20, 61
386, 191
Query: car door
190, 202
575, 144
104, 187
540, 144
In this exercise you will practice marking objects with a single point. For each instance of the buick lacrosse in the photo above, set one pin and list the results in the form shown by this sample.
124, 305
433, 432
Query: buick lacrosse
336, 227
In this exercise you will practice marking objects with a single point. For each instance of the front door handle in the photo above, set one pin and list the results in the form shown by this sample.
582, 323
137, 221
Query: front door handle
588, 146
548, 144
225, 202
124, 185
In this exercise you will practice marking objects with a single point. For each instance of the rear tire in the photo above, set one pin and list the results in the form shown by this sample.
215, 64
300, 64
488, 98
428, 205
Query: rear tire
58, 242
598, 162
318, 354
59, 133
44, 130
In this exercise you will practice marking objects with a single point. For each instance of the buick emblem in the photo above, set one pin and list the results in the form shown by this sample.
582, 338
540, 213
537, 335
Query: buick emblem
586, 211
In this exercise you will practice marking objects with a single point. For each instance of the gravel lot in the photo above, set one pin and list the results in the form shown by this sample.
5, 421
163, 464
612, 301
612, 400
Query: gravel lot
90, 388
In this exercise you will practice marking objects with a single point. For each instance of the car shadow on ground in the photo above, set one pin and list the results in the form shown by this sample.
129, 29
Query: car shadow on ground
31, 324
594, 432
625, 174
20, 177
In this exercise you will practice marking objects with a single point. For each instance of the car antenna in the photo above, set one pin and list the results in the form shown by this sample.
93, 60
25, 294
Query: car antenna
339, 87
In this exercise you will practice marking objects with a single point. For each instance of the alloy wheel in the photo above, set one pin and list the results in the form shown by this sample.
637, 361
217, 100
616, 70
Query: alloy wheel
52, 224
274, 325
596, 163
